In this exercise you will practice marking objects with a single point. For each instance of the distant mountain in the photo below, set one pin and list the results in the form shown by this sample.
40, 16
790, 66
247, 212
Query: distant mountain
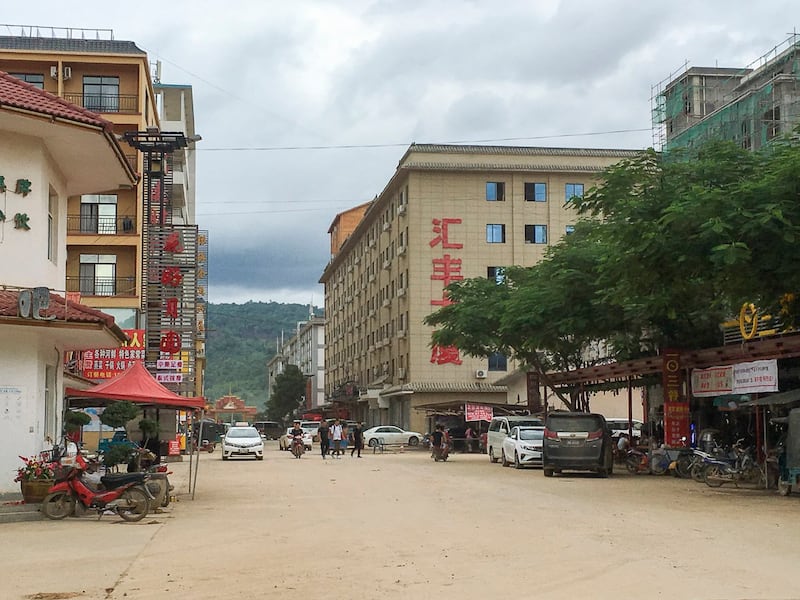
241, 338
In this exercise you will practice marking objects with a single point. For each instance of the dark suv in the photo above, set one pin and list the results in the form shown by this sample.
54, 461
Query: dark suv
577, 442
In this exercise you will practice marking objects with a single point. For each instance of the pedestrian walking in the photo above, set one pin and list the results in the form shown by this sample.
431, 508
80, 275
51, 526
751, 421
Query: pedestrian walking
358, 439
336, 438
345, 437
324, 438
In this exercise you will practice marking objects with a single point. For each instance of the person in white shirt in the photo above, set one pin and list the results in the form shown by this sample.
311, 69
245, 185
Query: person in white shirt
336, 436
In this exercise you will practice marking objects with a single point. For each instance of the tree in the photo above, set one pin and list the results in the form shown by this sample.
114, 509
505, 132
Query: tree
287, 393
117, 414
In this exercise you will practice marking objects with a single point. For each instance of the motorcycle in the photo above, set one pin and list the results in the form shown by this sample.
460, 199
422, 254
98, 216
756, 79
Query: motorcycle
298, 446
743, 469
123, 493
441, 453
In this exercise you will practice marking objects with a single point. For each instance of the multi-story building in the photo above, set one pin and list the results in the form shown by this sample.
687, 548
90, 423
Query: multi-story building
749, 105
306, 350
107, 232
448, 213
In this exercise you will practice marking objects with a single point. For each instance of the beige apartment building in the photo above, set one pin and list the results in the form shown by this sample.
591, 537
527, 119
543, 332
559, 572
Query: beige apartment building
448, 213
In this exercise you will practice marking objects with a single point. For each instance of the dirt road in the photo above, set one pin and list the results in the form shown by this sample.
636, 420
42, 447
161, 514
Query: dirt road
401, 526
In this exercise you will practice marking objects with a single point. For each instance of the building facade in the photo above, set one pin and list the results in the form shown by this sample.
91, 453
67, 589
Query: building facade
306, 350
749, 105
51, 151
108, 231
448, 213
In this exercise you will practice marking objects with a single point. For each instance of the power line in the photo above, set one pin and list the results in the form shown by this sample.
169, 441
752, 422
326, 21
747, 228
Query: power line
405, 144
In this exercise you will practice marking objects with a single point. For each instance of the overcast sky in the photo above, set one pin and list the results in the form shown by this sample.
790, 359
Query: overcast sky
273, 79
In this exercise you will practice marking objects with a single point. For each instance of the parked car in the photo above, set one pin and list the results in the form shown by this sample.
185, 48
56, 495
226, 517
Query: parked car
618, 426
391, 435
577, 442
269, 430
285, 441
500, 427
242, 441
523, 447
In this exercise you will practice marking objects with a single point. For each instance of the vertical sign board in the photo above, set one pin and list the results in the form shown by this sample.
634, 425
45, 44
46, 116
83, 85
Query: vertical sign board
676, 406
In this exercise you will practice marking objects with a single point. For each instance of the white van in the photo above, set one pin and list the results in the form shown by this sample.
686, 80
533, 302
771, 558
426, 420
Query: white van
499, 429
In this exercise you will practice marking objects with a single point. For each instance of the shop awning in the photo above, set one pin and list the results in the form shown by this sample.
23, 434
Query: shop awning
780, 398
134, 385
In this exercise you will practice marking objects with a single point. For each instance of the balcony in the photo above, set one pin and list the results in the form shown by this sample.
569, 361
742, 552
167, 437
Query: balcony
102, 286
101, 225
106, 103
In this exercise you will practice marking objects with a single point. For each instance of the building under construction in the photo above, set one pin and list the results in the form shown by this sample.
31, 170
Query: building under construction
750, 105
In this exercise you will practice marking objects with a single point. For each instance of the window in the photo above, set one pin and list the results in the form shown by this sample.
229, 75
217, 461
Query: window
536, 192
498, 362
52, 227
99, 214
572, 190
772, 119
496, 273
495, 191
496, 234
569, 229
35, 79
101, 93
535, 234
97, 274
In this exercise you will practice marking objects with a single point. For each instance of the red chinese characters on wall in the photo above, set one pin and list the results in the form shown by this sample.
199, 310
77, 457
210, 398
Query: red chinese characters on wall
171, 277
446, 269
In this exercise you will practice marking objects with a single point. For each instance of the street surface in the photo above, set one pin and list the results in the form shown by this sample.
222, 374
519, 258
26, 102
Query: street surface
401, 526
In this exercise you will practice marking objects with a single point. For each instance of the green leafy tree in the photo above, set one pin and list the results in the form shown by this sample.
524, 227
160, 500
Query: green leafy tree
287, 394
117, 414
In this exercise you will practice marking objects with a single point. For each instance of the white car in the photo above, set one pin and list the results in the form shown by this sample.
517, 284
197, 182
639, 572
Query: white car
523, 447
285, 441
619, 426
389, 434
242, 441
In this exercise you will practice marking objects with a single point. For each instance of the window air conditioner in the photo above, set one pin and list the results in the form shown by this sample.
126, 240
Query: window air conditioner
67, 73
54, 71
480, 374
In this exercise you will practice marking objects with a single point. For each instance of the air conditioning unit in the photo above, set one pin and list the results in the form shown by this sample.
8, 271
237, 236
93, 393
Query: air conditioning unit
401, 291
67, 73
387, 264
401, 210
480, 374
401, 373
401, 333
54, 71
387, 226
401, 250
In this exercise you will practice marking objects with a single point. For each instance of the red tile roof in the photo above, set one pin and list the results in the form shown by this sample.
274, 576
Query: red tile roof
61, 308
20, 94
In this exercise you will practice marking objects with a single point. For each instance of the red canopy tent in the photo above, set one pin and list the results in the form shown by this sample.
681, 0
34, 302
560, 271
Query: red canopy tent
135, 385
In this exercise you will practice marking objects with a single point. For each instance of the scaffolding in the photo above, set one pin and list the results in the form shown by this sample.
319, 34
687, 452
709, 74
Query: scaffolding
749, 105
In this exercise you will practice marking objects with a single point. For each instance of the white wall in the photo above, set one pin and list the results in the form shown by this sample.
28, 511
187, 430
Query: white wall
23, 357
23, 254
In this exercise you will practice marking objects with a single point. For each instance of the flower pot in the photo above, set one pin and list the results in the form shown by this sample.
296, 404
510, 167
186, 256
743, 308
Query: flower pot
34, 491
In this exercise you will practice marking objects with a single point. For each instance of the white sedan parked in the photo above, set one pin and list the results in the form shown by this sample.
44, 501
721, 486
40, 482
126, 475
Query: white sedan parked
389, 434
523, 447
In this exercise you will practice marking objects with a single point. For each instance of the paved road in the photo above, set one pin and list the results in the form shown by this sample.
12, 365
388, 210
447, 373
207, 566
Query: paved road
400, 526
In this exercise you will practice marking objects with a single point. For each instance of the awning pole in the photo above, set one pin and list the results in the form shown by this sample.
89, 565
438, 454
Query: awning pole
630, 410
199, 441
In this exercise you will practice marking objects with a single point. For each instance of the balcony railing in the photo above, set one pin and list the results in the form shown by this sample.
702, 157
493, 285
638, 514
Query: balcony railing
106, 103
117, 225
102, 286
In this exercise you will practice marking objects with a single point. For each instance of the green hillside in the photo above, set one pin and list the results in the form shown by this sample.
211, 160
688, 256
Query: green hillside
241, 338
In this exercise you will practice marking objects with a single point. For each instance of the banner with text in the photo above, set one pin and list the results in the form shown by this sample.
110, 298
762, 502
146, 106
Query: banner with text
478, 412
742, 378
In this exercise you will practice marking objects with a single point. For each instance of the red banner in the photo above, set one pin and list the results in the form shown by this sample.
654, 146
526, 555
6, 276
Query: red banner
676, 408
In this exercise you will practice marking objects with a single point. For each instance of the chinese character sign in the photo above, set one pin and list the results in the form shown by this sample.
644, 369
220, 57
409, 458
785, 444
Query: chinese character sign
478, 412
447, 269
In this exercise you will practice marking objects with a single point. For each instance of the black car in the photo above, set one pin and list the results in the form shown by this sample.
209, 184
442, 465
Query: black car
577, 442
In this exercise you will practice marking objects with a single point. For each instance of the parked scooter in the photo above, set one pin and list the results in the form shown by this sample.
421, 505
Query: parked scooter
123, 493
742, 470
298, 446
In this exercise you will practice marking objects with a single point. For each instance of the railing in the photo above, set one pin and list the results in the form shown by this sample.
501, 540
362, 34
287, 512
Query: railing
120, 224
106, 103
102, 286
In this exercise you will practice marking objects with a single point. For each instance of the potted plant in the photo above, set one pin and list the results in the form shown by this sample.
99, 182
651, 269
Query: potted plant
35, 477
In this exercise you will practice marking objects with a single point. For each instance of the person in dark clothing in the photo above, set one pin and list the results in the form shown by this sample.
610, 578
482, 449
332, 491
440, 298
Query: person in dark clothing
324, 440
358, 439
437, 437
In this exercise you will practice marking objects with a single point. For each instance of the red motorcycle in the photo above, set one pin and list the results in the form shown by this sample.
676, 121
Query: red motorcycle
122, 493
298, 446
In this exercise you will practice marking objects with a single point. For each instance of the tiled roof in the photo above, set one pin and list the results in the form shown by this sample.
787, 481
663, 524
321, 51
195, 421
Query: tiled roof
442, 387
19, 94
61, 308
45, 44
522, 150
